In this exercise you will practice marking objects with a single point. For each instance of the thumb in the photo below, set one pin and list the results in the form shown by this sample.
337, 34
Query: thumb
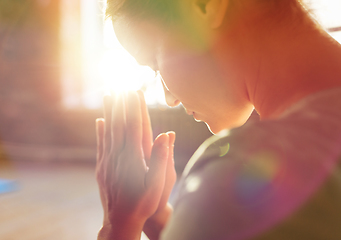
158, 162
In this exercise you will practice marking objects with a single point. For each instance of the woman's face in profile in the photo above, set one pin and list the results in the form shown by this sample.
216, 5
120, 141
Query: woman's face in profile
190, 73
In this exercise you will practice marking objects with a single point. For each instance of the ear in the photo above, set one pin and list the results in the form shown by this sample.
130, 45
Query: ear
212, 11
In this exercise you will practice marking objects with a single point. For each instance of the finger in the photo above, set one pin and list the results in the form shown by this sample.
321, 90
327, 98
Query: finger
155, 178
171, 136
147, 134
133, 124
107, 102
170, 172
118, 124
100, 138
100, 125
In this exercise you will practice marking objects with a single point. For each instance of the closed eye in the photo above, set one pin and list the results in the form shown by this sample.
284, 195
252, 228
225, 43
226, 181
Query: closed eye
154, 66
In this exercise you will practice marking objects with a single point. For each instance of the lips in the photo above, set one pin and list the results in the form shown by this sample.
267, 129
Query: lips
194, 115
189, 112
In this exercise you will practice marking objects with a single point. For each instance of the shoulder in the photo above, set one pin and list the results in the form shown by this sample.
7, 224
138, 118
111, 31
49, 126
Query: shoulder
227, 184
235, 183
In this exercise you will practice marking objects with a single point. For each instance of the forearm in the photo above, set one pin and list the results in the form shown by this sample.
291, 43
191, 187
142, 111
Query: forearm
154, 225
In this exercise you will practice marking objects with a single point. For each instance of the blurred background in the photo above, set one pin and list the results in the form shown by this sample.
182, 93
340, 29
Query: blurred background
57, 60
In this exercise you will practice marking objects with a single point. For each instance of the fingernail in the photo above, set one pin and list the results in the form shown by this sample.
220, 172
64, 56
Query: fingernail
100, 120
172, 133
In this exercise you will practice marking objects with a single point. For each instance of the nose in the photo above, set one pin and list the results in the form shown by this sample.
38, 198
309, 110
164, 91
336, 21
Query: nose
170, 99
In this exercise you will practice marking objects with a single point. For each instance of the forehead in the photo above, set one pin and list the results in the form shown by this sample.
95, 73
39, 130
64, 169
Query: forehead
137, 37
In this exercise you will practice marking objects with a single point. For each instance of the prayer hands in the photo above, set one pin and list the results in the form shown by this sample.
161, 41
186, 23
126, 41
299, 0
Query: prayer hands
135, 175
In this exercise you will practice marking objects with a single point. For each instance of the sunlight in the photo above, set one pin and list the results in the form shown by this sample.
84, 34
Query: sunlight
327, 13
120, 72
94, 63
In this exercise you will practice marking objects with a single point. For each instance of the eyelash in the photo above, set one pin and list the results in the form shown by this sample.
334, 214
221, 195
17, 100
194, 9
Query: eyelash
155, 66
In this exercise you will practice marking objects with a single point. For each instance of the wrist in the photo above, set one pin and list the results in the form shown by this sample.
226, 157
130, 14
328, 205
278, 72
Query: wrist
121, 231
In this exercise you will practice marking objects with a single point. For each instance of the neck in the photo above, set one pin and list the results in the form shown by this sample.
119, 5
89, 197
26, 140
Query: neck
280, 62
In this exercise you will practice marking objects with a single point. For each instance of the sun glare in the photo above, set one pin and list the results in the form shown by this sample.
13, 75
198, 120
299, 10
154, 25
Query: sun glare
327, 13
94, 62
118, 70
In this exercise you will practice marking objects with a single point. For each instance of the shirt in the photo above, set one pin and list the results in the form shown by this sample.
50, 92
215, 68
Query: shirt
273, 179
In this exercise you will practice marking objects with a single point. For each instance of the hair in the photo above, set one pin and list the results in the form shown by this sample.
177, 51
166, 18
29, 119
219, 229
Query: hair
164, 10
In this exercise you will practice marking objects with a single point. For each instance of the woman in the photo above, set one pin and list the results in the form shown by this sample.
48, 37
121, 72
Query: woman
273, 179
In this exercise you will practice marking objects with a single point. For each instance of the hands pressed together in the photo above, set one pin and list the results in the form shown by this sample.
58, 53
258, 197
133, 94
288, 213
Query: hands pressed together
135, 175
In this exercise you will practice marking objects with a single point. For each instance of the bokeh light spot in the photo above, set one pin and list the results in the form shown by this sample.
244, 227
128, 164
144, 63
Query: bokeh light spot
193, 184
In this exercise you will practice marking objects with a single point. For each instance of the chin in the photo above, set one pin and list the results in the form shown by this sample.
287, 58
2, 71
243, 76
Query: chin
214, 129
217, 128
